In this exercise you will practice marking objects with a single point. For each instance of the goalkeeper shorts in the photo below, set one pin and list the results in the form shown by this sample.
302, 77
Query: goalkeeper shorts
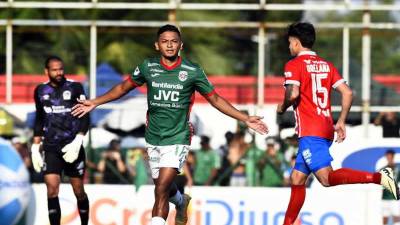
54, 163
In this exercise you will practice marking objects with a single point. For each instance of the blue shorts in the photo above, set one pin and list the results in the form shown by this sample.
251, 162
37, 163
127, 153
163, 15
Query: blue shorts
313, 154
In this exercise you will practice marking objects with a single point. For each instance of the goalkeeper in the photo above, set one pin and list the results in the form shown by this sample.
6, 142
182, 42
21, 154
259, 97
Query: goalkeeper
58, 136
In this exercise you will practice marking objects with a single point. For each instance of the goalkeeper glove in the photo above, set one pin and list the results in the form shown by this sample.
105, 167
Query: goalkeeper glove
37, 159
71, 150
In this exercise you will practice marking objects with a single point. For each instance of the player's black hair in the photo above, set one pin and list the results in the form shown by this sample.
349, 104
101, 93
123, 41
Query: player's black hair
303, 31
51, 58
168, 27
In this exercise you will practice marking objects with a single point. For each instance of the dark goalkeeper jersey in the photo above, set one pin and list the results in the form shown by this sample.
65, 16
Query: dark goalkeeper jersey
170, 95
53, 114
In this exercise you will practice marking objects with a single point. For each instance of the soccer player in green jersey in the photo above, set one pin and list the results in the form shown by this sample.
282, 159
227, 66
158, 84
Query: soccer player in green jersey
171, 83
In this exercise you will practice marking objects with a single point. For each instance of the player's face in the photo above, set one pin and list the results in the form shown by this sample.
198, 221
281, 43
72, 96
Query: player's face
294, 46
169, 44
55, 72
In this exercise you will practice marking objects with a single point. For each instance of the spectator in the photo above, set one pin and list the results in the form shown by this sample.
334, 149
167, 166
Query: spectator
191, 161
207, 163
390, 207
184, 178
20, 144
236, 157
292, 146
225, 172
111, 164
288, 172
253, 154
390, 124
137, 167
270, 166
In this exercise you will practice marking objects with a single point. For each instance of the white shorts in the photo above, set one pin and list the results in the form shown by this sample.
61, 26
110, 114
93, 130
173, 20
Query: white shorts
172, 156
390, 208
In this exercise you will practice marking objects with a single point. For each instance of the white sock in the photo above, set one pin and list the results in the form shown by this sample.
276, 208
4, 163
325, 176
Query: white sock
157, 221
177, 199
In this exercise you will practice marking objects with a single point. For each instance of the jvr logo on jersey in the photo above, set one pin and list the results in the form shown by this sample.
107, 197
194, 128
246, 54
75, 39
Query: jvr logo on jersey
167, 95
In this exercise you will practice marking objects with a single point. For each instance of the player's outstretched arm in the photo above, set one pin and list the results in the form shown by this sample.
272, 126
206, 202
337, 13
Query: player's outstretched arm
347, 99
85, 106
253, 122
292, 92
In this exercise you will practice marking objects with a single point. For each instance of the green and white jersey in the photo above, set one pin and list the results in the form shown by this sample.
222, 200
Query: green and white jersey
170, 95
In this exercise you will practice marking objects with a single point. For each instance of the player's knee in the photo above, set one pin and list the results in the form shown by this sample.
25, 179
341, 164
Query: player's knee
52, 191
297, 179
79, 193
161, 190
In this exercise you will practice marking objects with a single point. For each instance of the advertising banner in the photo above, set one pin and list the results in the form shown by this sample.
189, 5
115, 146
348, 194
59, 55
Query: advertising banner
122, 205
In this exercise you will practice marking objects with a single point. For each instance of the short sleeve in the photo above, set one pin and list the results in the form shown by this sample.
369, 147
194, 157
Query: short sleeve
202, 84
336, 77
292, 74
138, 75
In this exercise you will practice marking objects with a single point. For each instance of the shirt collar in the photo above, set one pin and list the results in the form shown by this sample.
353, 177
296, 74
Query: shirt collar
176, 64
306, 53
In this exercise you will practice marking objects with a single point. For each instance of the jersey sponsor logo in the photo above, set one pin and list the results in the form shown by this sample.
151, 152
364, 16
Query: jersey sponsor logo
156, 70
167, 105
152, 64
167, 95
46, 97
56, 109
47, 109
288, 74
67, 95
155, 74
188, 67
183, 75
167, 85
136, 72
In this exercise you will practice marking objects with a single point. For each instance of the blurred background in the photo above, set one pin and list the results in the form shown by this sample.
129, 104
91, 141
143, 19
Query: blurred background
241, 45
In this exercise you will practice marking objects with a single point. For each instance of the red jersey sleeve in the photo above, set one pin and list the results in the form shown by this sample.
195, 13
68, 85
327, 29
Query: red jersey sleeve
336, 77
292, 73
